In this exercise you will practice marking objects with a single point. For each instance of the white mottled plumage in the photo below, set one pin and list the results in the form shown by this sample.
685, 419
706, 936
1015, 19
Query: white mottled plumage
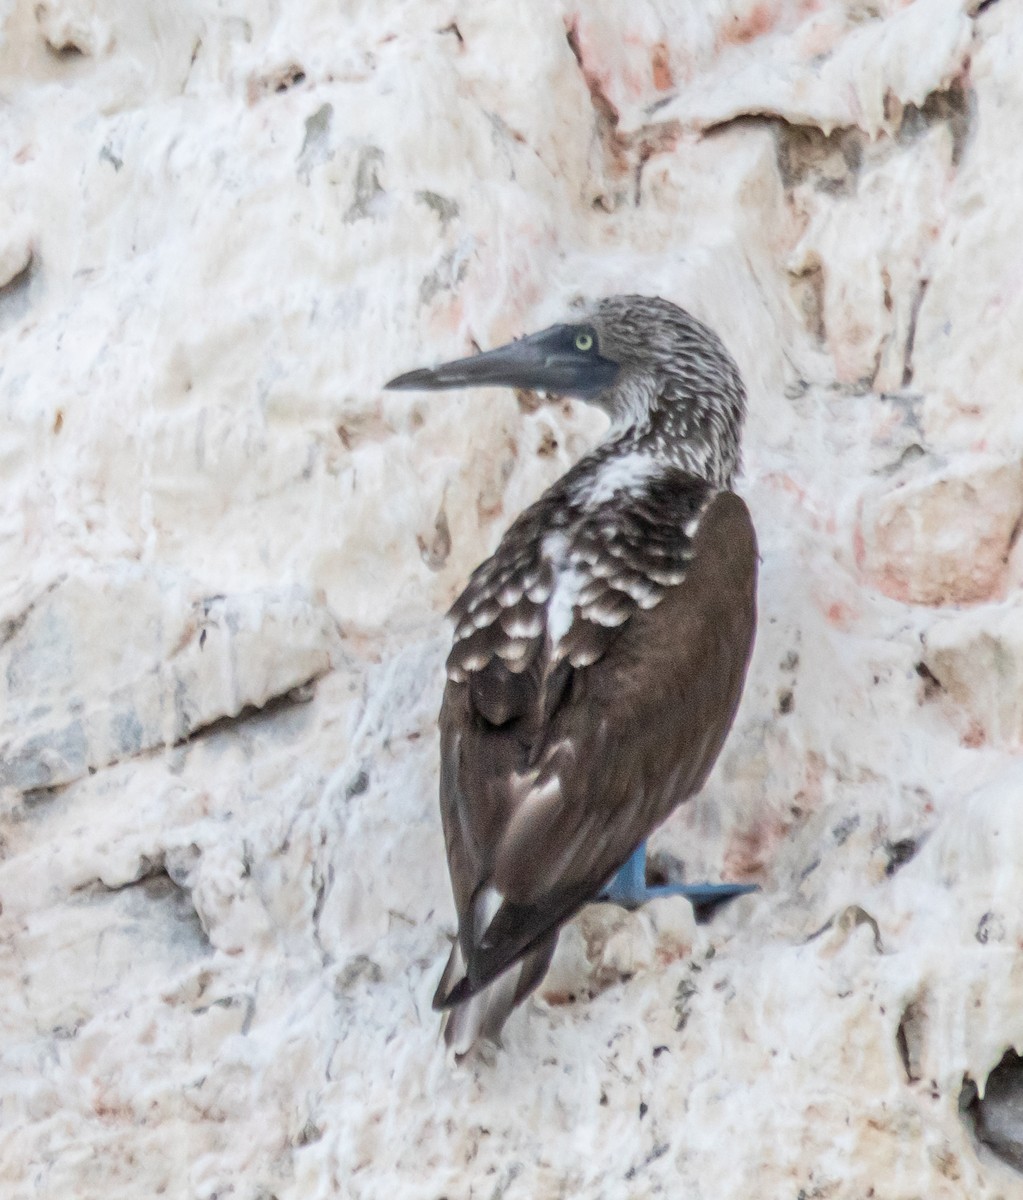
582, 576
569, 579
519, 627
627, 473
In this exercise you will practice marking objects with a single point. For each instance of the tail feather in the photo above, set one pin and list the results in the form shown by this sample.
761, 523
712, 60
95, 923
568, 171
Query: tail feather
454, 973
482, 1015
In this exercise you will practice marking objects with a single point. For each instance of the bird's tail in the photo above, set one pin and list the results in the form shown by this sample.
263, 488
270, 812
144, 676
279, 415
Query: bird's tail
482, 1015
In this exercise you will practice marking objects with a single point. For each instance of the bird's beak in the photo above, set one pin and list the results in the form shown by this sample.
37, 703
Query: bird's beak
545, 361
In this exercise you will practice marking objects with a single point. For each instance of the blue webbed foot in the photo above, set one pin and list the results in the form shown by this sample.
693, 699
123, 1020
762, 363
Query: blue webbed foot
630, 889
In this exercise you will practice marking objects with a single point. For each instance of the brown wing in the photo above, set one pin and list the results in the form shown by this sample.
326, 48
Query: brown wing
538, 819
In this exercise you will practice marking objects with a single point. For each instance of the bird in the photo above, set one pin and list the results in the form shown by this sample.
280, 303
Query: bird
599, 654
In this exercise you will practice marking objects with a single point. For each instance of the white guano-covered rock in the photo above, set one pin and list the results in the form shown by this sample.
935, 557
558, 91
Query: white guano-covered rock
107, 664
227, 554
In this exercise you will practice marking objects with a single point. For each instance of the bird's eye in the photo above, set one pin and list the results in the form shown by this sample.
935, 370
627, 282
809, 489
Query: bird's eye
584, 341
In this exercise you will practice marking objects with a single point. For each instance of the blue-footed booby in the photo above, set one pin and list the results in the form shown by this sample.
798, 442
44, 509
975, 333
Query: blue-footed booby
600, 652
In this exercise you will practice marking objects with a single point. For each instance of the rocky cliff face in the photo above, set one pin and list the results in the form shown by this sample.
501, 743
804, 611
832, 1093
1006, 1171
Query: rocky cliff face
227, 554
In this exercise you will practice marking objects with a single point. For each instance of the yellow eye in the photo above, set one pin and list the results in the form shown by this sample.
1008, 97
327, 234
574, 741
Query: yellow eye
584, 341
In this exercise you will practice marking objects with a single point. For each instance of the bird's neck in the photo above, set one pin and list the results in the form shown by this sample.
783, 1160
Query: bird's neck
691, 444
678, 428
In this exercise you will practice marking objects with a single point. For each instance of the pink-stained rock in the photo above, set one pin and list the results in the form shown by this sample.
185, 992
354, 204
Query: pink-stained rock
974, 662
825, 66
890, 206
945, 537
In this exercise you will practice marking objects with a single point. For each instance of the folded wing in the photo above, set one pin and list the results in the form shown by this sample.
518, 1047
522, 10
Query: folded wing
560, 755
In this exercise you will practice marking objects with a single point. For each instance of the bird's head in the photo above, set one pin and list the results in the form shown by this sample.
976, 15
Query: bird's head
659, 374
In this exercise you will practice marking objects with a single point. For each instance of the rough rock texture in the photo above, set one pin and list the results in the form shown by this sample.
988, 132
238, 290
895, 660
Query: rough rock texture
227, 554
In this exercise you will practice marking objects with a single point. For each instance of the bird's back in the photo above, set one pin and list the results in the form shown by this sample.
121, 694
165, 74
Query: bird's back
599, 656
